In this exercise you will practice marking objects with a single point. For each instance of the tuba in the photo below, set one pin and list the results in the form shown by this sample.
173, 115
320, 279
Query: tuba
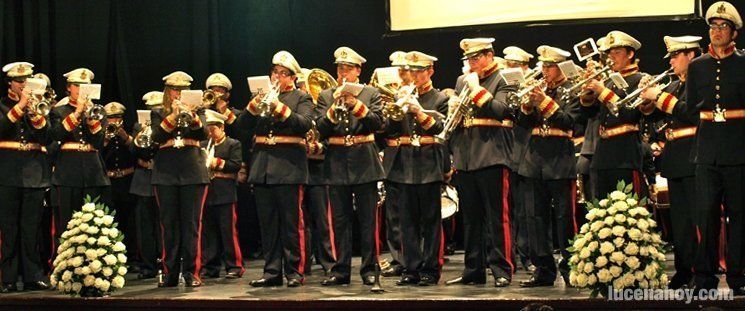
319, 80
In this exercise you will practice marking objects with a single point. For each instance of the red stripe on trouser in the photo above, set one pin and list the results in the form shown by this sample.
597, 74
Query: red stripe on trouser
573, 195
377, 232
637, 182
330, 223
236, 244
198, 259
722, 240
162, 234
301, 231
441, 253
506, 218
53, 233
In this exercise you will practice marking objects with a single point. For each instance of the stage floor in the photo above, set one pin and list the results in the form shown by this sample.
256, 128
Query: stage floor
225, 294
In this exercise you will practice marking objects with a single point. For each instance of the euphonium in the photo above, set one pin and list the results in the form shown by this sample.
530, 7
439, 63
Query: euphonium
317, 81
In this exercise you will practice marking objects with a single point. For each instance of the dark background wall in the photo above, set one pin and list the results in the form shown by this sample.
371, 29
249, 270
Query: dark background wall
131, 44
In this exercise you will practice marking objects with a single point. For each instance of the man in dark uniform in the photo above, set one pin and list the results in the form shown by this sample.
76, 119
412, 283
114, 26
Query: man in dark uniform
220, 238
482, 150
618, 151
675, 164
120, 166
352, 166
79, 170
25, 176
413, 162
278, 170
714, 91
548, 169
149, 241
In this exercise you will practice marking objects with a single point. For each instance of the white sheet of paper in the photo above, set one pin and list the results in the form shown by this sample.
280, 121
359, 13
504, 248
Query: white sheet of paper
90, 91
259, 84
191, 98
352, 88
513, 76
586, 49
388, 75
143, 116
618, 80
36, 86
569, 69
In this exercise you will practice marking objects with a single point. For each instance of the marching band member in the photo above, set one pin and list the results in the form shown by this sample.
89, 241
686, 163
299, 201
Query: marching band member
481, 151
25, 176
221, 86
714, 91
352, 166
220, 234
548, 169
413, 162
180, 179
278, 170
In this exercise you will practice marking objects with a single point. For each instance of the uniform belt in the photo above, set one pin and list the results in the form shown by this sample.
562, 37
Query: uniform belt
145, 164
551, 132
350, 140
186, 141
273, 140
79, 147
16, 145
673, 134
471, 122
578, 140
409, 140
709, 115
316, 156
118, 173
222, 175
618, 130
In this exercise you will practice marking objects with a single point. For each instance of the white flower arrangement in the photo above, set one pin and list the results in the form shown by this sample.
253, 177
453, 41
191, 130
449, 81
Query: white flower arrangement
91, 260
626, 251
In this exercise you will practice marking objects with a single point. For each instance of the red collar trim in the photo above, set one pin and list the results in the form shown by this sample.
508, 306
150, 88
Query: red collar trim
727, 52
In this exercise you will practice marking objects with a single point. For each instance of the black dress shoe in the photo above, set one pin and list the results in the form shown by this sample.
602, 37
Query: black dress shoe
294, 283
146, 274
266, 282
38, 285
392, 271
535, 282
427, 280
461, 280
501, 282
233, 275
168, 283
192, 282
407, 280
368, 280
333, 280
8, 288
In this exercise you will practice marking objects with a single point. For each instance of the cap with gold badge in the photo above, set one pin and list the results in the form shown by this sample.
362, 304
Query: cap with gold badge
214, 117
417, 60
616, 39
551, 55
114, 109
178, 80
18, 70
345, 55
218, 79
725, 11
516, 54
472, 46
675, 44
398, 59
153, 98
285, 59
79, 76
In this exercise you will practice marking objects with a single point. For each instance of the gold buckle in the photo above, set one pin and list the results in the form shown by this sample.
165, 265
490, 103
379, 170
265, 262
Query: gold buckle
82, 147
543, 130
270, 140
415, 140
24, 146
719, 114
468, 122
178, 142
603, 134
348, 140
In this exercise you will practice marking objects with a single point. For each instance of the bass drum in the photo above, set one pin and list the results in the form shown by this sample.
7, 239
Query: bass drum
449, 202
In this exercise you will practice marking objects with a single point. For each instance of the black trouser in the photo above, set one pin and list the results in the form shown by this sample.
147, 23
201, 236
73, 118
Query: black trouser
717, 185
282, 230
220, 240
20, 218
124, 203
607, 180
550, 202
485, 204
519, 219
393, 222
70, 199
180, 209
682, 218
249, 231
321, 220
422, 243
364, 198
149, 240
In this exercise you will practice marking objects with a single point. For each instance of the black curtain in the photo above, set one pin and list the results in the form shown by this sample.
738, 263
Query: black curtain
130, 45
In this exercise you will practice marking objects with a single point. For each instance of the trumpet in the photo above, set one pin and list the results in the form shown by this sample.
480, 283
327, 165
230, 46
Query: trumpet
210, 154
184, 117
210, 97
144, 137
341, 112
521, 96
112, 129
40, 106
395, 110
626, 102
265, 104
96, 112
574, 91
456, 117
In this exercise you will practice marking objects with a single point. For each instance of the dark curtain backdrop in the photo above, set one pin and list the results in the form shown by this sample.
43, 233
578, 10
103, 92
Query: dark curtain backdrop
131, 44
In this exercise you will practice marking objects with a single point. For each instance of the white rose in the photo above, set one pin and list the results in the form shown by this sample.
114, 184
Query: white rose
81, 238
621, 206
62, 265
110, 260
606, 248
628, 279
78, 271
647, 237
104, 241
85, 271
656, 238
96, 266
77, 215
608, 220
113, 233
581, 266
107, 272
92, 230
631, 249
119, 247
53, 280
122, 271
661, 257
604, 233
588, 267
573, 278
89, 280
619, 230
98, 282
620, 219
653, 251
581, 280
584, 253
80, 250
98, 213
584, 228
649, 271
601, 261
100, 252
612, 210
588, 236
91, 254
601, 213
68, 287
635, 234
105, 231
633, 212
61, 286
596, 226
117, 282
66, 276
642, 224
644, 284
617, 257
643, 211
631, 202
652, 223
633, 262
579, 243
603, 202
77, 261
574, 259
617, 195
83, 227
663, 280
618, 283
604, 276
74, 231
631, 221
88, 207
122, 258
98, 221
591, 280
91, 241
654, 284
105, 286
639, 275
591, 214
86, 217
592, 246
108, 220
619, 241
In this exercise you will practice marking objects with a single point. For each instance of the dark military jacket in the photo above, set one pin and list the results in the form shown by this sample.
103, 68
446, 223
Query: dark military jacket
29, 168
